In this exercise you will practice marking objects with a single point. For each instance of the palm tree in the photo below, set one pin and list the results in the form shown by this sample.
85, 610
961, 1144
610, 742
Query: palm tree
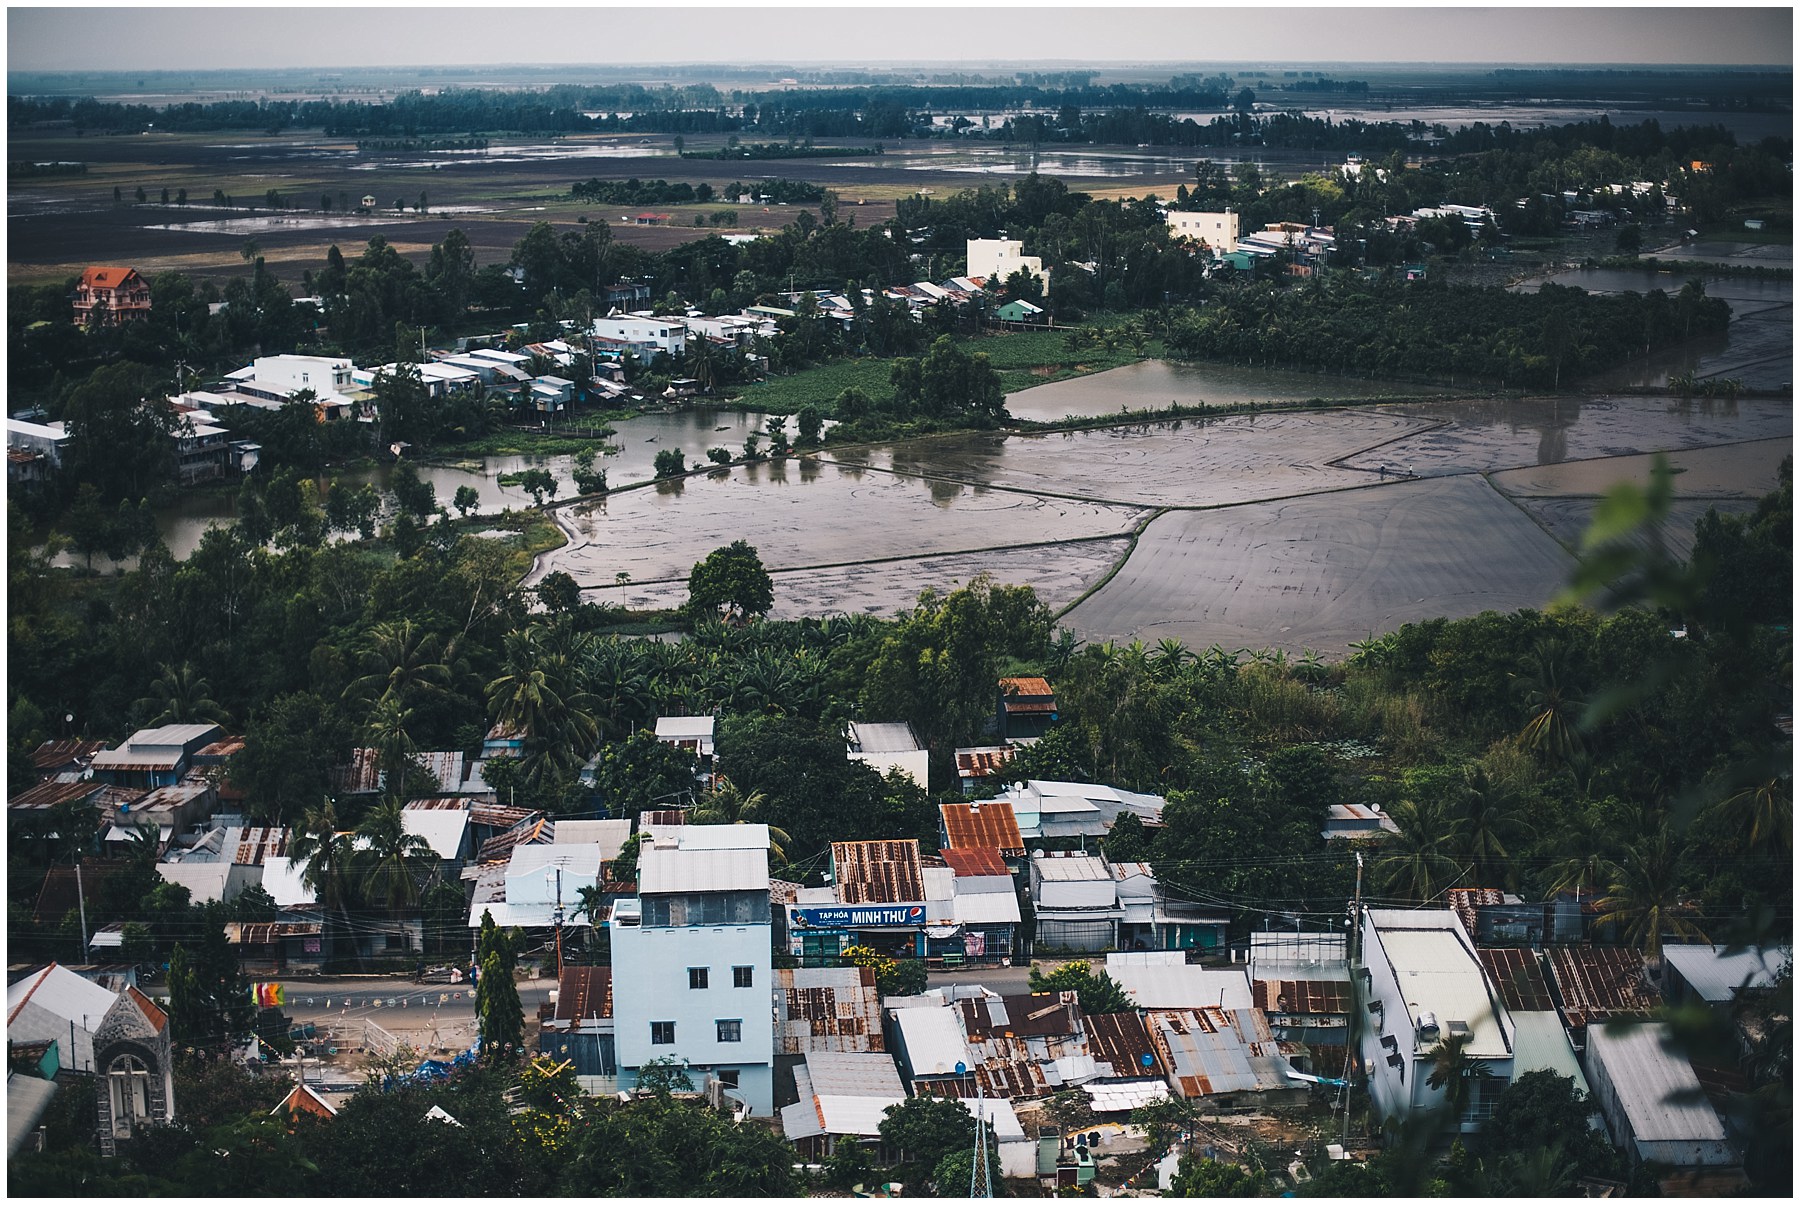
1414, 863
328, 855
726, 804
1485, 824
536, 696
404, 663
1764, 810
1455, 1073
1555, 708
395, 859
179, 695
1644, 894
388, 730
1587, 843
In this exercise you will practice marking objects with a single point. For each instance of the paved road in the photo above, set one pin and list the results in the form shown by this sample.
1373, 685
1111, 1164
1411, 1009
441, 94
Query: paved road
1008, 981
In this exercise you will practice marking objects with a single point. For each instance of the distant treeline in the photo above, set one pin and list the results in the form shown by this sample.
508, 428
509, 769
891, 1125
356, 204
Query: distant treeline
26, 170
1350, 326
781, 150
662, 192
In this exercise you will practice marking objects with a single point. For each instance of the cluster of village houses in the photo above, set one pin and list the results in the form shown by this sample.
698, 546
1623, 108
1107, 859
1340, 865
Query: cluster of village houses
811, 1044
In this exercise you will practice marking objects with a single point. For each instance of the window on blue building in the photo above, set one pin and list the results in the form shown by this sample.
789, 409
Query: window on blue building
662, 1033
729, 1031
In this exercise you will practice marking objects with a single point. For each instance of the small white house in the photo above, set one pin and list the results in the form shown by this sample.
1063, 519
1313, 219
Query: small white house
999, 258
652, 334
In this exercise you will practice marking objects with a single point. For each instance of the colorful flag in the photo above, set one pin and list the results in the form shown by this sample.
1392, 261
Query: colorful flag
268, 995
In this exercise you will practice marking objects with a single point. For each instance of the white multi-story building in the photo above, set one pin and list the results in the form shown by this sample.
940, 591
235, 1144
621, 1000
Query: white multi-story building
652, 334
321, 374
999, 258
692, 962
1425, 985
1218, 231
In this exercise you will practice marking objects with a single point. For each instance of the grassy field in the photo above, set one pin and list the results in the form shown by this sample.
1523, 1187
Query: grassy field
1023, 359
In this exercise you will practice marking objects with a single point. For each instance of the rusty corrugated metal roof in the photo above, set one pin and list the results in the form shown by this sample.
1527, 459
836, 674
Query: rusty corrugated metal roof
1026, 688
1519, 979
47, 795
976, 863
1597, 983
877, 872
256, 844
1212, 1051
989, 825
263, 933
1464, 901
51, 754
1121, 1040
1045, 1013
497, 815
584, 994
1302, 997
534, 829
984, 762
828, 1010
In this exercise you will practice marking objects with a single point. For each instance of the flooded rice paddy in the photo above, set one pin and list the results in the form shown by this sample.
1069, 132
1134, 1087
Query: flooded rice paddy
1154, 384
1320, 572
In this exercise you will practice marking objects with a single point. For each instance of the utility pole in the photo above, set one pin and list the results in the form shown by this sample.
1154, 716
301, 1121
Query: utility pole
557, 916
81, 899
981, 1185
1352, 951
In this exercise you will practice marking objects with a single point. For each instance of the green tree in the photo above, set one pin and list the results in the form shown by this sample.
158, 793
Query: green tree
466, 501
1098, 993
641, 772
179, 695
395, 860
731, 579
1198, 1177
209, 994
327, 855
498, 1012
924, 1129
670, 463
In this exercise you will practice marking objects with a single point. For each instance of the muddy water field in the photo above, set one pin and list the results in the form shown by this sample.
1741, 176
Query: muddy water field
1296, 530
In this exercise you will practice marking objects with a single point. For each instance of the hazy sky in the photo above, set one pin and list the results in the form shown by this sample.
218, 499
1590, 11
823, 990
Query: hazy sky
324, 35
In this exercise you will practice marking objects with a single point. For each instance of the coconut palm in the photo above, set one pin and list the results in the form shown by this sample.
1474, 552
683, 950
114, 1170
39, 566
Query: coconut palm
1484, 825
1763, 811
1542, 685
1414, 863
389, 734
179, 695
405, 663
537, 696
1644, 896
327, 855
1588, 845
1455, 1072
395, 860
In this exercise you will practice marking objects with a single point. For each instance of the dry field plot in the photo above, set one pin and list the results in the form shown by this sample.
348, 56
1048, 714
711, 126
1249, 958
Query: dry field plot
1059, 573
1746, 470
1189, 462
1319, 573
824, 515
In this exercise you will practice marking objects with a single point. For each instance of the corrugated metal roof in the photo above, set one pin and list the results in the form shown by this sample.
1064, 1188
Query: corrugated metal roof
1026, 689
1302, 997
877, 872
1120, 1042
989, 825
584, 994
1043, 1013
1178, 985
933, 1040
974, 863
52, 754
46, 795
985, 908
666, 871
846, 1074
1540, 1043
1519, 978
609, 835
1072, 868
175, 734
1600, 982
984, 761
27, 1100
685, 727
1718, 976
205, 881
721, 836
827, 1009
1212, 1051
1464, 901
1121, 1096
263, 933
1656, 1086
533, 829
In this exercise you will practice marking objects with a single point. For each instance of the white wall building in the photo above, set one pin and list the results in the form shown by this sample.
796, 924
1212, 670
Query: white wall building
888, 747
321, 374
1218, 231
1425, 984
1000, 257
661, 334
693, 963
